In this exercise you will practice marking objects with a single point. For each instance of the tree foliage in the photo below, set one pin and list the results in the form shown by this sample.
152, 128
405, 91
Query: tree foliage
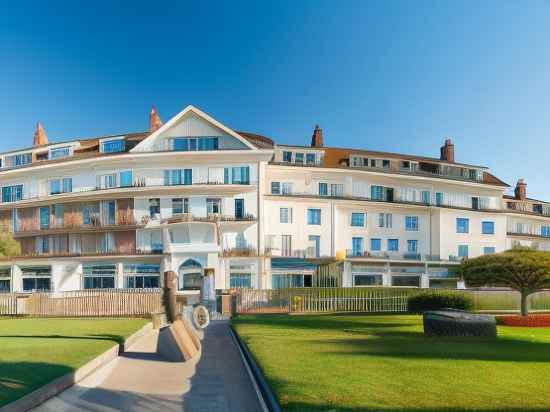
8, 245
523, 269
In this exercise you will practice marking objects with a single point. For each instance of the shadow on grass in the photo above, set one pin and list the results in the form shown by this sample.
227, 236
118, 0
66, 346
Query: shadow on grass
19, 378
115, 338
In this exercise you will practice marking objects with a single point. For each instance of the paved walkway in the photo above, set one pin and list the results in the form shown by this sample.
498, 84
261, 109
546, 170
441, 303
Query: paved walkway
141, 381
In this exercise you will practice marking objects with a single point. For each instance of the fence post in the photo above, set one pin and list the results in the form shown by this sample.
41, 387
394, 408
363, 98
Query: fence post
169, 295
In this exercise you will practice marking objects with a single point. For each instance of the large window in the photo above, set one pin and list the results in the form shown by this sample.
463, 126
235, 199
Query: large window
239, 209
193, 144
99, 276
375, 245
126, 178
64, 185
358, 219
213, 206
113, 146
18, 160
180, 205
240, 280
286, 245
314, 216
315, 246
5, 279
488, 250
382, 193
367, 280
44, 217
393, 245
412, 246
178, 177
141, 275
462, 225
283, 281
154, 208
488, 228
545, 231
236, 175
36, 278
463, 251
107, 181
411, 223
357, 246
12, 193
59, 152
287, 157
275, 188
310, 158
323, 189
285, 215
385, 220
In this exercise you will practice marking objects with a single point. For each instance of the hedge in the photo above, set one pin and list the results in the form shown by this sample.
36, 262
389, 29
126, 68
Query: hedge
438, 301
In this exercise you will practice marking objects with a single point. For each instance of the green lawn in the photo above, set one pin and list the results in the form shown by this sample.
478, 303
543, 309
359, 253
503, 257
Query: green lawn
384, 363
36, 351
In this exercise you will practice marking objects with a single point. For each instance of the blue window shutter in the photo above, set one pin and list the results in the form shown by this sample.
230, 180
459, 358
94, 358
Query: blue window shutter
226, 175
166, 177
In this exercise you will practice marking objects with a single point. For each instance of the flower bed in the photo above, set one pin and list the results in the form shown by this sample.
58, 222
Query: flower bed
531, 321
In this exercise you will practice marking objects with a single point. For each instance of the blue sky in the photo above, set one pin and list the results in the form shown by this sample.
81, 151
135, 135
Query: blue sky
389, 75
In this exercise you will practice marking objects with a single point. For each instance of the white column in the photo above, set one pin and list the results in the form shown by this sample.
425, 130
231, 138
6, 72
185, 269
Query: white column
119, 280
347, 276
424, 281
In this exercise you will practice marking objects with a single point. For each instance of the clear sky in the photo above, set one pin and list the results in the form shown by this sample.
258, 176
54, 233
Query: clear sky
389, 75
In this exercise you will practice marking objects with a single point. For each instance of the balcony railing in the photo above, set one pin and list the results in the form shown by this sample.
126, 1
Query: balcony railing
211, 218
240, 252
112, 252
384, 255
529, 207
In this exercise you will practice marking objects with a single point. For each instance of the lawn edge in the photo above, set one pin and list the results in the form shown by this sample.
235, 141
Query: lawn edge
265, 392
58, 385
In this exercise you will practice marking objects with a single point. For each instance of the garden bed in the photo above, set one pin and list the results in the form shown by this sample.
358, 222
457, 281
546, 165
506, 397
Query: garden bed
531, 321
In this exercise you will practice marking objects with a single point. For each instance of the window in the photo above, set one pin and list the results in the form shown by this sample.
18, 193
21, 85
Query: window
36, 278
180, 205
154, 208
288, 281
141, 276
463, 251
337, 190
314, 216
382, 193
192, 144
386, 164
412, 246
240, 280
12, 193
488, 228
59, 152
393, 245
175, 177
439, 199
239, 208
315, 242
286, 245
537, 208
357, 246
286, 188
5, 279
462, 225
323, 189
310, 158
411, 223
426, 197
42, 245
18, 160
126, 178
44, 217
299, 158
64, 185
385, 220
285, 215
375, 245
367, 280
358, 219
108, 212
213, 206
113, 146
488, 250
99, 276
107, 181
237, 175
475, 202
287, 157
275, 188
545, 231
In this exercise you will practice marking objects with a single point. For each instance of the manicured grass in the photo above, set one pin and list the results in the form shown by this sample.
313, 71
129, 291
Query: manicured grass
35, 351
384, 363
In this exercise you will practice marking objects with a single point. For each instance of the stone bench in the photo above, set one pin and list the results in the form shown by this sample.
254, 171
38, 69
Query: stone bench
459, 323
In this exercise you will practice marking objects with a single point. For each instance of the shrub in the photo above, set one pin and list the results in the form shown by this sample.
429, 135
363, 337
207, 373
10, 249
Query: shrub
438, 301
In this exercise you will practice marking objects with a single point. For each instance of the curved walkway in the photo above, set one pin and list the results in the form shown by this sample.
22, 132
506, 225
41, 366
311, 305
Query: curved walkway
140, 380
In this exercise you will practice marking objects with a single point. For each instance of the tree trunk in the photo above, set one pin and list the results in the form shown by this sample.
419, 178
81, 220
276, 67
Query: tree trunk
524, 308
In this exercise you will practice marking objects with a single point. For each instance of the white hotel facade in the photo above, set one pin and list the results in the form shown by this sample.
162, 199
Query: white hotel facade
227, 209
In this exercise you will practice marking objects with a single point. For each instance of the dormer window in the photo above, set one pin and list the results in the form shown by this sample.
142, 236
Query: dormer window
113, 146
537, 208
299, 158
18, 160
287, 156
310, 158
59, 152
193, 144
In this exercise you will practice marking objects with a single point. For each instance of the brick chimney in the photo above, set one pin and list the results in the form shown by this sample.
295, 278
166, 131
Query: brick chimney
448, 151
317, 138
521, 190
40, 137
154, 120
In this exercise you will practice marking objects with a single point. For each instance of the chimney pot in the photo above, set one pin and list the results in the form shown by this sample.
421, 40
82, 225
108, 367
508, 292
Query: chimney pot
154, 120
40, 138
317, 137
521, 190
448, 151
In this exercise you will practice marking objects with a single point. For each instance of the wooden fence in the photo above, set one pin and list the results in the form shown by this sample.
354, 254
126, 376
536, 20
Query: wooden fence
373, 299
104, 303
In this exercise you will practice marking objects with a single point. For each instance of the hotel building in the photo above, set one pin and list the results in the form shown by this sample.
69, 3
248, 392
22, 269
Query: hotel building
228, 209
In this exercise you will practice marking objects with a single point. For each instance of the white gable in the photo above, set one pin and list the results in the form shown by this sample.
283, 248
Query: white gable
191, 122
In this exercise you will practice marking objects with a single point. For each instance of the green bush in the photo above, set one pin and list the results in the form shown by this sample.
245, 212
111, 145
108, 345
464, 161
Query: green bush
438, 301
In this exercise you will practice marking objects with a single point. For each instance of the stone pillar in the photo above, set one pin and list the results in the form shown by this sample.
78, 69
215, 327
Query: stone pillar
424, 281
347, 276
169, 295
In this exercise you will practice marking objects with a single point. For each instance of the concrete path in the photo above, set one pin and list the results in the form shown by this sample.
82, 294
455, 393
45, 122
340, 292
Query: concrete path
142, 381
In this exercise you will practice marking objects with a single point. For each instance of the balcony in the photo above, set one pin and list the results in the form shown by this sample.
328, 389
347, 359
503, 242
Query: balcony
99, 253
529, 207
240, 252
